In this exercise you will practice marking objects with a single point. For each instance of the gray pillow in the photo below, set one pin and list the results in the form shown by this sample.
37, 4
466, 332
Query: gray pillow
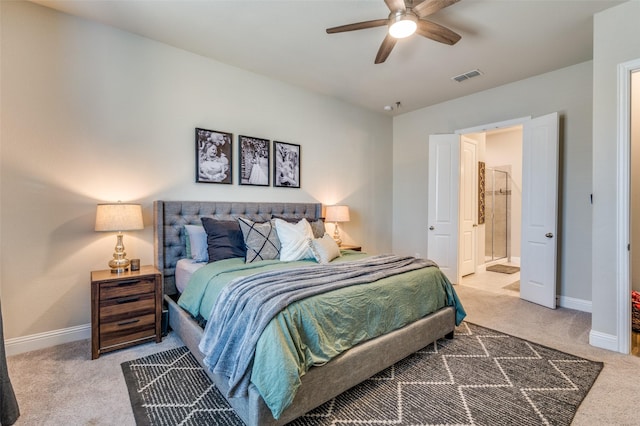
224, 239
260, 239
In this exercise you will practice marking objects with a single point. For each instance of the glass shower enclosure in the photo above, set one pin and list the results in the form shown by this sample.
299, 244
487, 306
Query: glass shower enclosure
497, 211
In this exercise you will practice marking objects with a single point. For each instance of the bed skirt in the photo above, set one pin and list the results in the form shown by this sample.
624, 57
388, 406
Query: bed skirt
320, 384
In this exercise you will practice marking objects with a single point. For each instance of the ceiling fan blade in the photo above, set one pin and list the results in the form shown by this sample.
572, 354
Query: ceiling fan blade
430, 7
385, 48
437, 32
358, 26
395, 5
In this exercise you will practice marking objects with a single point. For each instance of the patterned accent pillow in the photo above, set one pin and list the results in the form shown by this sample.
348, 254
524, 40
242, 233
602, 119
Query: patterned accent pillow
317, 226
261, 240
294, 240
324, 249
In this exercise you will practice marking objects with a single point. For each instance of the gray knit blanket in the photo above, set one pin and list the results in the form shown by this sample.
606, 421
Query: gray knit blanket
247, 304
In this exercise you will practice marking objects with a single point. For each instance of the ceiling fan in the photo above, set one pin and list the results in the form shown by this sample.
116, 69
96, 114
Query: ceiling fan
406, 17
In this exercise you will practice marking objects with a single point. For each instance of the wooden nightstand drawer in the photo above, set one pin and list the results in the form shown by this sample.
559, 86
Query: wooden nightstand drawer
128, 330
126, 309
127, 288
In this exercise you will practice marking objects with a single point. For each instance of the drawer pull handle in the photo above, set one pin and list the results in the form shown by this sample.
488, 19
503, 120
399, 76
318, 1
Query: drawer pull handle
129, 299
133, 321
128, 282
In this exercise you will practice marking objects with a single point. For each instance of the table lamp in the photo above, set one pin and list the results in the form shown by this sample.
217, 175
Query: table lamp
119, 217
337, 214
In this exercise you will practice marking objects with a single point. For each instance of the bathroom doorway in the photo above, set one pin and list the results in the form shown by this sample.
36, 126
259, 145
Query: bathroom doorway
497, 215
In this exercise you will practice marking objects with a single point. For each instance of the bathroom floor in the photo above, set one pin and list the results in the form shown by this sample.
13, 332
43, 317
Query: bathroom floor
494, 282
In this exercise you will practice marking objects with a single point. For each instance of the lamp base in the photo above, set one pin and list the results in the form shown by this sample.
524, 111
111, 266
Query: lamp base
336, 235
119, 263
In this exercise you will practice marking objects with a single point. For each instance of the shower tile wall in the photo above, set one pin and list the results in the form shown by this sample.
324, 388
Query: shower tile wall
497, 211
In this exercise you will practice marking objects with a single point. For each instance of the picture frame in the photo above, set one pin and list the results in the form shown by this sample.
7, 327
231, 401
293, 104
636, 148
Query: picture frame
254, 164
481, 192
213, 156
286, 165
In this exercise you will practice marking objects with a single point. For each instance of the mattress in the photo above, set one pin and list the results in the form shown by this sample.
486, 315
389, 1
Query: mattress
184, 270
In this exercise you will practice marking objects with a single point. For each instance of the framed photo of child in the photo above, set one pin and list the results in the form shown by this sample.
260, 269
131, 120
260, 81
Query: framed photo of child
213, 156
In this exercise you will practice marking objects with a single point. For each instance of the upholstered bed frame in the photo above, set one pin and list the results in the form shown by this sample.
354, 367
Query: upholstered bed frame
320, 384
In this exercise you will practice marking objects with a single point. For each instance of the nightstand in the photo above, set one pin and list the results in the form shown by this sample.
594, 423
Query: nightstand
126, 309
349, 247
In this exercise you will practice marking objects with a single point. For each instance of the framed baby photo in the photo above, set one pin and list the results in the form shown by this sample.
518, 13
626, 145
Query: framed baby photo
213, 156
286, 165
254, 161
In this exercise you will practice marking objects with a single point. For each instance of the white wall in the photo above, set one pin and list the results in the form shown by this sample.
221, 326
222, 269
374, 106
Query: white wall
635, 180
616, 35
567, 91
93, 114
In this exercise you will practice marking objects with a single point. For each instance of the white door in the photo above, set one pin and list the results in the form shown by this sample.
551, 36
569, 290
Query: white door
468, 205
539, 210
442, 221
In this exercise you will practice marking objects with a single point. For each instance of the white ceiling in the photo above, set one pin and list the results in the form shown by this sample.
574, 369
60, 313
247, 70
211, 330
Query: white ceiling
507, 40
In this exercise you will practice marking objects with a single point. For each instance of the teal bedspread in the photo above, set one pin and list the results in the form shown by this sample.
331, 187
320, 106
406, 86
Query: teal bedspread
314, 330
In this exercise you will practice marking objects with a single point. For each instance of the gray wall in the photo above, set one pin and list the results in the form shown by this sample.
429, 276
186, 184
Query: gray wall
567, 91
616, 40
93, 114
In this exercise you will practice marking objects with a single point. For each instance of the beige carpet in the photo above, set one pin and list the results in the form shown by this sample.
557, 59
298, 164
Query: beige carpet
513, 286
62, 386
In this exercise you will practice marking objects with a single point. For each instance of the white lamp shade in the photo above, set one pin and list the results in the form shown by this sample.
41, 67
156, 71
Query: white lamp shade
119, 217
337, 214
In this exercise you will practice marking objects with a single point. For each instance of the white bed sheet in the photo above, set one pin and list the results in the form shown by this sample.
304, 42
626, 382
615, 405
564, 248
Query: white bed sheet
184, 269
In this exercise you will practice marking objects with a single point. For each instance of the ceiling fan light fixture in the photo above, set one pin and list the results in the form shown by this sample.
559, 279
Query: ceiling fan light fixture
402, 24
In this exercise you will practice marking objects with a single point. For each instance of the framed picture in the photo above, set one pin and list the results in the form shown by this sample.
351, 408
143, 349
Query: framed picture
254, 161
286, 165
213, 156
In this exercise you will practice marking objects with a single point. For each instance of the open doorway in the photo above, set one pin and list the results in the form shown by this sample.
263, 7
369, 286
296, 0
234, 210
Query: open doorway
446, 238
498, 221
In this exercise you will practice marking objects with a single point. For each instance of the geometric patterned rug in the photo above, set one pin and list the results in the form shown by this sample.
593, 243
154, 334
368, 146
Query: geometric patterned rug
481, 377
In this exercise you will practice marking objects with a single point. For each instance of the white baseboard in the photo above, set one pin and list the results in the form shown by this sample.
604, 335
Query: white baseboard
33, 342
603, 340
573, 303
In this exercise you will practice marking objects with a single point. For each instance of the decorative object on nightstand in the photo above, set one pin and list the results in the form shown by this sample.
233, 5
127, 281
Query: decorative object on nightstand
119, 217
337, 214
126, 309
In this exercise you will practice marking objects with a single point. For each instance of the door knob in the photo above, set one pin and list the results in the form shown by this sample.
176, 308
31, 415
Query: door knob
475, 225
431, 228
548, 235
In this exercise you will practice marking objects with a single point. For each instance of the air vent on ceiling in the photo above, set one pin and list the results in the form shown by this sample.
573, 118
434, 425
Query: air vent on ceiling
466, 76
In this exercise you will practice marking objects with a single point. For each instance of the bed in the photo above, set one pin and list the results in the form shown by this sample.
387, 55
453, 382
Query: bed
320, 383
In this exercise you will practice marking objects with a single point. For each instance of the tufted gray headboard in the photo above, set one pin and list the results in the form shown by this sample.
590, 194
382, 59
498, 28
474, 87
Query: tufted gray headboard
169, 218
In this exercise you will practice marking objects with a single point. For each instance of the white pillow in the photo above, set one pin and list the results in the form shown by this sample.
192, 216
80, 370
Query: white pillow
324, 249
198, 242
294, 239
